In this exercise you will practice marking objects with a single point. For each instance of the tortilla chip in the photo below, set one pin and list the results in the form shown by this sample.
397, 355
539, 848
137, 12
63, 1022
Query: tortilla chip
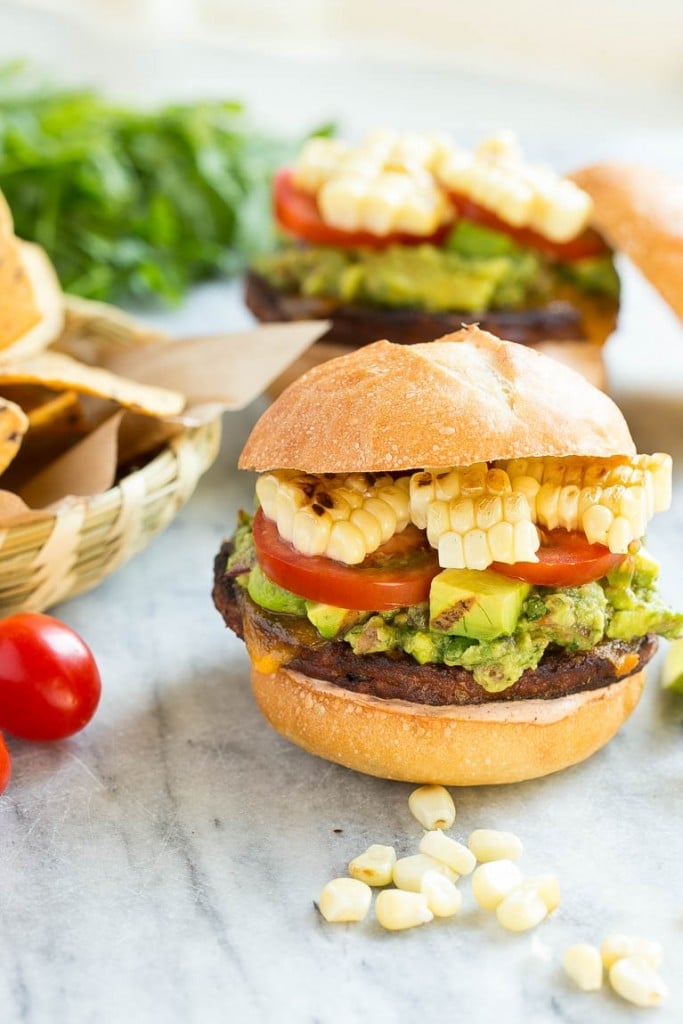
56, 371
19, 310
59, 410
13, 426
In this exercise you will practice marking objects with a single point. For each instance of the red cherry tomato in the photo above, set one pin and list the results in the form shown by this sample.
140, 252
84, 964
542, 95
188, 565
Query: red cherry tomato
398, 574
565, 559
5, 766
49, 681
588, 243
297, 212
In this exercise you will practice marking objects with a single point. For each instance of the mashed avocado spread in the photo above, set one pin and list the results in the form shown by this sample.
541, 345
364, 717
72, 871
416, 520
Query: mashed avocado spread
476, 269
622, 606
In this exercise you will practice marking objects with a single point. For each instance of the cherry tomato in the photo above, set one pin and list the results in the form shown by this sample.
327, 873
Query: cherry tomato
5, 766
588, 243
398, 574
565, 559
297, 212
49, 681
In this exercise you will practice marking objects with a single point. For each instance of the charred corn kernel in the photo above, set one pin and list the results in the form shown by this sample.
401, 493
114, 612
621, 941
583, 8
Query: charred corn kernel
368, 526
476, 551
422, 494
444, 899
397, 909
460, 516
341, 517
596, 524
583, 965
447, 485
493, 880
310, 531
488, 844
384, 514
448, 851
617, 946
522, 908
345, 899
375, 866
432, 806
637, 981
409, 871
452, 550
501, 538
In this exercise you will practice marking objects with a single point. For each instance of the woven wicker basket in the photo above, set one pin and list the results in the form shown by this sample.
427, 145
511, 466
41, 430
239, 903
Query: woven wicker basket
51, 559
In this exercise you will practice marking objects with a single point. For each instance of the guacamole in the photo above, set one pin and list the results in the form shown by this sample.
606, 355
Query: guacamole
476, 269
622, 606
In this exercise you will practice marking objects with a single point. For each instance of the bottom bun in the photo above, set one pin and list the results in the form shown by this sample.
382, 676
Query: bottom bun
474, 745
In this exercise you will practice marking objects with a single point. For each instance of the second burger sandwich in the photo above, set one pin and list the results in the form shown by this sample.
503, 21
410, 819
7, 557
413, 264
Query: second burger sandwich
445, 579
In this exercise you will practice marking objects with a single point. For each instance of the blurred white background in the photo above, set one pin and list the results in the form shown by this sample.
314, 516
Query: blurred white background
610, 42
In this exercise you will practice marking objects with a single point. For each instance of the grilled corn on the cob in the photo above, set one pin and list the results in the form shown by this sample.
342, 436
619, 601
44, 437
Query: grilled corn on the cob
400, 183
473, 515
345, 517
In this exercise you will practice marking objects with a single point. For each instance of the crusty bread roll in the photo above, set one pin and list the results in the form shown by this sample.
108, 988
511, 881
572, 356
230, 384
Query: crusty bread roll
471, 745
466, 398
640, 212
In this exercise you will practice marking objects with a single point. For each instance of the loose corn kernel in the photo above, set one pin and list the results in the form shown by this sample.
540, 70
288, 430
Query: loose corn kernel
375, 866
432, 806
616, 946
583, 965
637, 981
444, 899
448, 851
521, 909
397, 909
547, 887
408, 872
489, 844
345, 899
493, 880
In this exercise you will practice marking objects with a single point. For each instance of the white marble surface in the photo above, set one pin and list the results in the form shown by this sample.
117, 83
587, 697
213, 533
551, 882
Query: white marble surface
162, 866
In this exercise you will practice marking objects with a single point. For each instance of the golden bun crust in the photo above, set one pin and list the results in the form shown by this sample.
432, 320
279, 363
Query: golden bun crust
454, 746
468, 397
640, 211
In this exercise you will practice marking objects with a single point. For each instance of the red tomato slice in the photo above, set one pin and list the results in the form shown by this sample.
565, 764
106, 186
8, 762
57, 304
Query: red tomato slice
587, 244
564, 560
398, 574
297, 212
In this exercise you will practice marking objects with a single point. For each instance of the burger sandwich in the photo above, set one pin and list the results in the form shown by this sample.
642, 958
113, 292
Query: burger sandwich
407, 236
445, 578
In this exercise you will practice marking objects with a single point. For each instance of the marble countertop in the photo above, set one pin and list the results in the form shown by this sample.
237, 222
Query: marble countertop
163, 865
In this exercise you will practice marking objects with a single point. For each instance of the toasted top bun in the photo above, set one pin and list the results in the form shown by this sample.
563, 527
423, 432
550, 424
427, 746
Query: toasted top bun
468, 397
640, 211
31, 306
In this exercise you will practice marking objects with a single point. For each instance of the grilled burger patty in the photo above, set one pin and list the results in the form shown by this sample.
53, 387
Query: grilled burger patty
355, 325
400, 677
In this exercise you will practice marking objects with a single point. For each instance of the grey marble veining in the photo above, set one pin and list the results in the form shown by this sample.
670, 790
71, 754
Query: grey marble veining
163, 865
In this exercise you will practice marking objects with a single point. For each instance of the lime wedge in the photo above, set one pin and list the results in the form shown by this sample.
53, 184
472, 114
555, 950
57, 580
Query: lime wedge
672, 673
